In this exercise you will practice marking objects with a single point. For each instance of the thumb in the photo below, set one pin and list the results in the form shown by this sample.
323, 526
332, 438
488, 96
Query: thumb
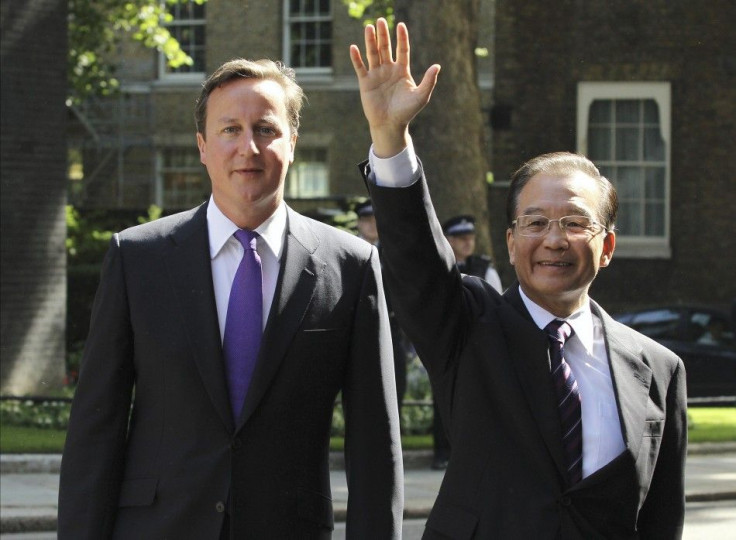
429, 81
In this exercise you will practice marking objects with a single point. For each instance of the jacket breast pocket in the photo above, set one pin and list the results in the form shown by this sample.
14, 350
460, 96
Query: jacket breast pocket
137, 492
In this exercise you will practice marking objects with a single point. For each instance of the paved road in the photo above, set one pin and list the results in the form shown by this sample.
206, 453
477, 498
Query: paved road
703, 521
710, 483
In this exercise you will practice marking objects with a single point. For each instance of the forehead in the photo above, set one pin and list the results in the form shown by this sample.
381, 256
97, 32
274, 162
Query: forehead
247, 97
546, 192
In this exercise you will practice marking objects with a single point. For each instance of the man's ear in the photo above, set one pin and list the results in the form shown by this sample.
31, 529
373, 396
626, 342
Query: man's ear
202, 145
510, 245
294, 137
609, 245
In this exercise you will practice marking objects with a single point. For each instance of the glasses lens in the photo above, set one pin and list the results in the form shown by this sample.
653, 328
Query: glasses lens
532, 225
576, 225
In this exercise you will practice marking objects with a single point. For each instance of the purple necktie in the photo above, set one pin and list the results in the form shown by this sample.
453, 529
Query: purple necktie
244, 322
568, 400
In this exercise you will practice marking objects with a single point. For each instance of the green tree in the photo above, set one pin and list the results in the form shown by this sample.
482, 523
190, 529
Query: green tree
95, 29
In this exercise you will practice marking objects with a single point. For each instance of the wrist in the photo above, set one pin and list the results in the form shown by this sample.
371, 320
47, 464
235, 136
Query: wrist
388, 142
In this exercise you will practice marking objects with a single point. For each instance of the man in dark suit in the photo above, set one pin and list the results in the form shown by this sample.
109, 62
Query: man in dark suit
563, 423
159, 443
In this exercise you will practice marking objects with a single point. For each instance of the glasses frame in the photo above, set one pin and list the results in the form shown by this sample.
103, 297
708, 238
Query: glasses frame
563, 229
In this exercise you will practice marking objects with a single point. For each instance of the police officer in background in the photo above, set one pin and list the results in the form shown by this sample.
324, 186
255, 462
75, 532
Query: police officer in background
460, 233
367, 231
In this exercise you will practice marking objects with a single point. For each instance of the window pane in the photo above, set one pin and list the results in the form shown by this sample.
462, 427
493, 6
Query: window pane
600, 111
654, 212
599, 144
627, 111
324, 7
627, 144
309, 7
629, 219
325, 55
651, 112
628, 183
654, 183
653, 145
310, 30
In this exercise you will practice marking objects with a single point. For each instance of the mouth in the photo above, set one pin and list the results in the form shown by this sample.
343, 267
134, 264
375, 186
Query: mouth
554, 264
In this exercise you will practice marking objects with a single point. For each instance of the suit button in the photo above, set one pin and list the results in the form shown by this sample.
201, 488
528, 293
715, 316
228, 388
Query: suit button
237, 443
565, 501
220, 506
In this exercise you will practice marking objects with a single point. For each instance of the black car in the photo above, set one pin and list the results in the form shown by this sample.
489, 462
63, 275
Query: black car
703, 337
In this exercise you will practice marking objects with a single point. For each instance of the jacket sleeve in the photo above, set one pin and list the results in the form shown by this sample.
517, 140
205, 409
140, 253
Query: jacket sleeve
373, 460
663, 512
93, 458
421, 276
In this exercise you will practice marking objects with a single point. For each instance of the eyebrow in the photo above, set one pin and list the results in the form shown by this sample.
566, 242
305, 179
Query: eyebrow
576, 211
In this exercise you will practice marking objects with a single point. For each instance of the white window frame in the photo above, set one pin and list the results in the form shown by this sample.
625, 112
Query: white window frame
321, 71
628, 245
190, 76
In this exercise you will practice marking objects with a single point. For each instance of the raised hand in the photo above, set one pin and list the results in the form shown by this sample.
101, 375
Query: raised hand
390, 97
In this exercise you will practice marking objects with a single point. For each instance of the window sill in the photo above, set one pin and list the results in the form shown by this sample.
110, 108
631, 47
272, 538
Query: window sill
637, 249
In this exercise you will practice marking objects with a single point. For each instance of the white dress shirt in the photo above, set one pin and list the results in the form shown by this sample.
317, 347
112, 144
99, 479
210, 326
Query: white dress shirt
226, 253
585, 351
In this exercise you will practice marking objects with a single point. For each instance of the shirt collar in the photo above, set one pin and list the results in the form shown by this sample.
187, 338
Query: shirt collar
221, 229
581, 320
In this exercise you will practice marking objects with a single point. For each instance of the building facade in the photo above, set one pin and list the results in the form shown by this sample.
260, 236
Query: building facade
139, 148
646, 89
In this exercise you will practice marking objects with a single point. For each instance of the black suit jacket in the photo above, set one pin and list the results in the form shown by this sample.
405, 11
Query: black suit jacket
171, 467
489, 368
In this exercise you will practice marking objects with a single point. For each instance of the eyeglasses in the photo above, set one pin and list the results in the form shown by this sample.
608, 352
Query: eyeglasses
573, 226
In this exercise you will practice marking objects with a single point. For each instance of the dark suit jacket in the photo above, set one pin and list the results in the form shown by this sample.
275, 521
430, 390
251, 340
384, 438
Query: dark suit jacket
180, 460
489, 368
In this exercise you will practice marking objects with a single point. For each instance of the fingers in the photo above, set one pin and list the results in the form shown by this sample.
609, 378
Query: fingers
384, 41
357, 60
371, 46
402, 44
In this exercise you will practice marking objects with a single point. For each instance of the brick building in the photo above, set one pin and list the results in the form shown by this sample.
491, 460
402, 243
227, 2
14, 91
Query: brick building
139, 148
646, 89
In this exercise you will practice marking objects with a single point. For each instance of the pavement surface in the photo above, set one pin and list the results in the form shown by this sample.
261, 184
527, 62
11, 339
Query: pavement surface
29, 485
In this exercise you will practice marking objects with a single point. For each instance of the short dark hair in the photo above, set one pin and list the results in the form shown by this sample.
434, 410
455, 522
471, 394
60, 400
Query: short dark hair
263, 69
563, 164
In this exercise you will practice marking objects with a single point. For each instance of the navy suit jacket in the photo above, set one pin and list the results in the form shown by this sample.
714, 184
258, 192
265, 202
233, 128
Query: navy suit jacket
153, 450
489, 368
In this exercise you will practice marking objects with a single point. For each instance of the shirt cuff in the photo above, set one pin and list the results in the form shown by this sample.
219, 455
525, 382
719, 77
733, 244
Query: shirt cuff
401, 170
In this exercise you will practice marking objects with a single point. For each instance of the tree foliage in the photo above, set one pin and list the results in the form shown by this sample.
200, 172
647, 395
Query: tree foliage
95, 30
369, 10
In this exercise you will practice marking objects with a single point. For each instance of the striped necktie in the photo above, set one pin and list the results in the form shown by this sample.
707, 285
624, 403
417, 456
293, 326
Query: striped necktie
568, 399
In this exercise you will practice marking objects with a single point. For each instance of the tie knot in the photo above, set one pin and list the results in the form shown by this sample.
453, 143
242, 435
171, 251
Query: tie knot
559, 330
246, 238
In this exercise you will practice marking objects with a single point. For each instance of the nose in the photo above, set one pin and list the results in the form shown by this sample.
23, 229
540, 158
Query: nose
556, 237
247, 144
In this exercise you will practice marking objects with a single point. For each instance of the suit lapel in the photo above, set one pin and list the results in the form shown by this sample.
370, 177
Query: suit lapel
631, 380
190, 270
528, 348
294, 290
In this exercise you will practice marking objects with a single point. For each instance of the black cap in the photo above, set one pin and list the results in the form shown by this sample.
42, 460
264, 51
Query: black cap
364, 209
459, 225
